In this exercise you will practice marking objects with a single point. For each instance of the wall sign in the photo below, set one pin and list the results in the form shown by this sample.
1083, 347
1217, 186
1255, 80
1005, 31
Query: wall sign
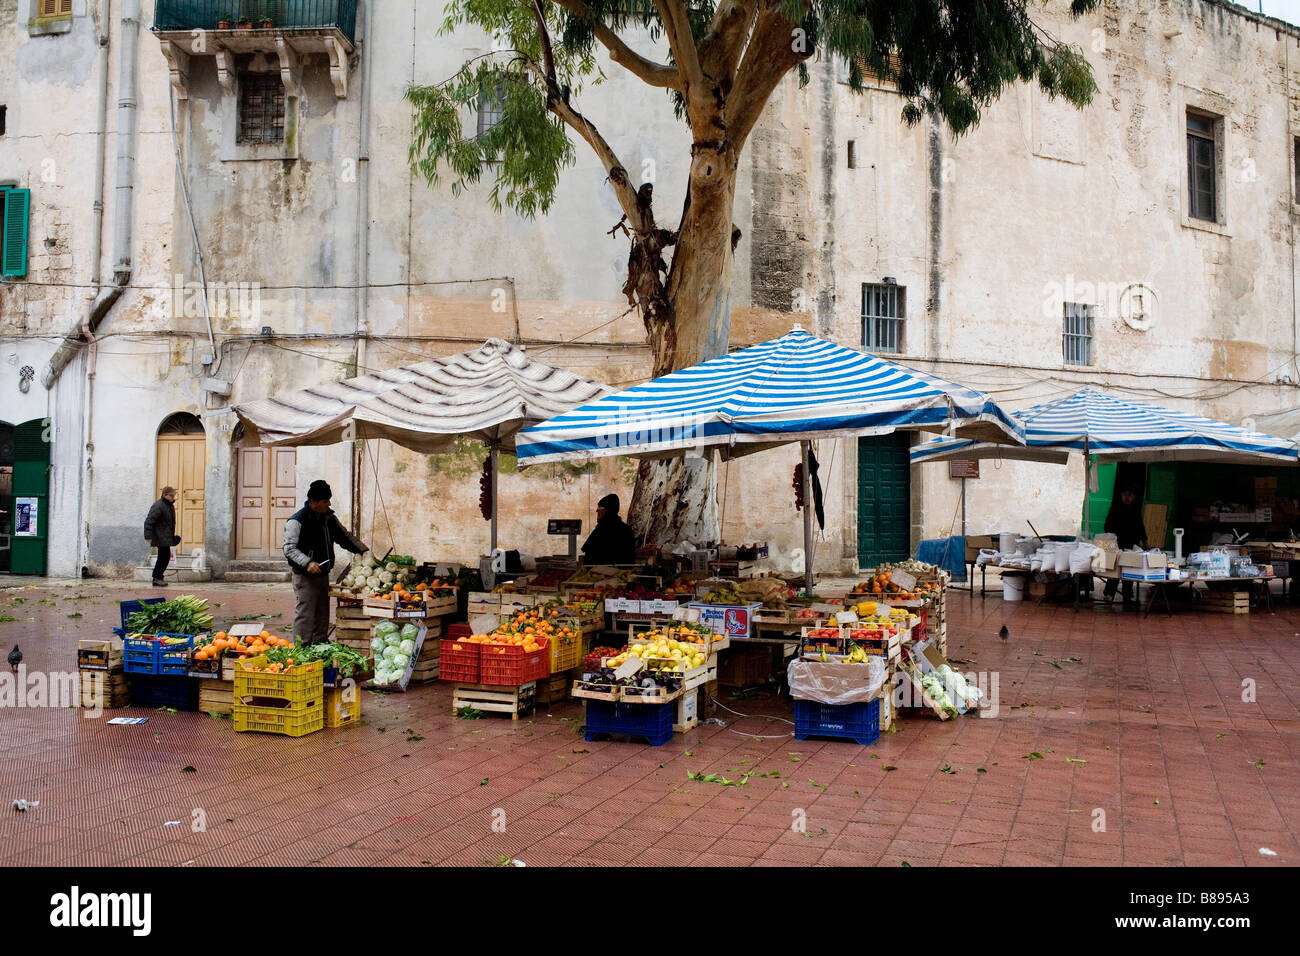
26, 517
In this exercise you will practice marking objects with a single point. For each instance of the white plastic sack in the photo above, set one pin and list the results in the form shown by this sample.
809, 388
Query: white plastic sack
1081, 559
836, 683
1062, 564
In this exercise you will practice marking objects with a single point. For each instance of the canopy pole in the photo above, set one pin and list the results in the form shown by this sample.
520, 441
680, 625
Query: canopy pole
805, 447
1087, 492
492, 464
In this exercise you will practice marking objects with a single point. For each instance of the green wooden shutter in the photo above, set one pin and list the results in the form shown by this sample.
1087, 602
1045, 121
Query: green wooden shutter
17, 209
884, 499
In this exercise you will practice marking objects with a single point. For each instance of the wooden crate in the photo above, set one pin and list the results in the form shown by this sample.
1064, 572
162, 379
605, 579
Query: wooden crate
108, 689
99, 656
500, 700
745, 666
217, 697
557, 686
426, 671
688, 712
1227, 602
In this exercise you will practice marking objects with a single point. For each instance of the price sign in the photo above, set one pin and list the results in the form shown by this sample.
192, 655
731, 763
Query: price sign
964, 468
904, 580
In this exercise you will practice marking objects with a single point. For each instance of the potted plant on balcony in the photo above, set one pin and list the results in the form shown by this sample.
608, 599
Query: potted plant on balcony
266, 23
244, 24
224, 21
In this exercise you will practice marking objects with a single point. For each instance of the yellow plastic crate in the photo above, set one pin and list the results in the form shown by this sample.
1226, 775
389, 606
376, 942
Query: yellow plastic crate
304, 683
566, 653
294, 721
340, 712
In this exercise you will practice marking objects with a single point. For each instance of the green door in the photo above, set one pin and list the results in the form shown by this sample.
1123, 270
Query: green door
1099, 500
884, 494
30, 520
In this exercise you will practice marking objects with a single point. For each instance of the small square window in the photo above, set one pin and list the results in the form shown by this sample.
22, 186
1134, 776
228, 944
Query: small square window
1077, 335
54, 8
261, 108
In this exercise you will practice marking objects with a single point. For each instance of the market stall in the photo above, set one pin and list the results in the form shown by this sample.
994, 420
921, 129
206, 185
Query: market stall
1104, 428
795, 388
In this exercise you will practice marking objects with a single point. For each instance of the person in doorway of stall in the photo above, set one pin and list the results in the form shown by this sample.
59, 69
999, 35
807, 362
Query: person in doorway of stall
160, 531
612, 541
309, 539
1124, 521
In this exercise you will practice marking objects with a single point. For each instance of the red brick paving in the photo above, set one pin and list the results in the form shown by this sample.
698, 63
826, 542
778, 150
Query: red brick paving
1152, 713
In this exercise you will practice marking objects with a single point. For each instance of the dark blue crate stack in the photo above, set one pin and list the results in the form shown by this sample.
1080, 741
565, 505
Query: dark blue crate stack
130, 607
654, 722
856, 722
179, 693
174, 659
139, 655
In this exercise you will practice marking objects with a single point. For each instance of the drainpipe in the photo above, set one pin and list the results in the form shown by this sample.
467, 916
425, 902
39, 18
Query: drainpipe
76, 339
363, 246
96, 251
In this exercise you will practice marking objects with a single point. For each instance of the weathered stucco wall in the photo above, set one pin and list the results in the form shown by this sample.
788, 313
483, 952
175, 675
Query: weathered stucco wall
987, 236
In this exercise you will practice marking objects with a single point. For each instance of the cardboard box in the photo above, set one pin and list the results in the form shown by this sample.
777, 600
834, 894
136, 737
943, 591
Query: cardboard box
728, 620
622, 606
1142, 560
1144, 574
976, 541
659, 606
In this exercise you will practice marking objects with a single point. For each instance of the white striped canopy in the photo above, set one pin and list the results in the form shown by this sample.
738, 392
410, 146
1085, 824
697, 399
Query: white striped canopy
489, 394
794, 388
1116, 429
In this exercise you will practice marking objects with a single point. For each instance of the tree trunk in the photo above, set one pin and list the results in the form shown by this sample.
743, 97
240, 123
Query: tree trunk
676, 498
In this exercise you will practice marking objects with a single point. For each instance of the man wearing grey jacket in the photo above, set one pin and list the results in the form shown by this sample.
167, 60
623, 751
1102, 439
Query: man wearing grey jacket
309, 539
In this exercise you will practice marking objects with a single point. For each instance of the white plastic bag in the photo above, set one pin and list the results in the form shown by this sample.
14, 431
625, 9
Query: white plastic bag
836, 683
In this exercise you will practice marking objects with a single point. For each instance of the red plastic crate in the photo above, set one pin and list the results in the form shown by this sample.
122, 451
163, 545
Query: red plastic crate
458, 631
459, 661
509, 665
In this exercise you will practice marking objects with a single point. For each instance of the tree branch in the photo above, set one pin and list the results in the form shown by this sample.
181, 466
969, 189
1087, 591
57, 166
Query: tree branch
652, 73
677, 27
772, 53
723, 44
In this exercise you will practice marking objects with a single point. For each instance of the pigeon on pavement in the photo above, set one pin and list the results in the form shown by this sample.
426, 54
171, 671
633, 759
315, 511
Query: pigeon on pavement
1004, 633
15, 657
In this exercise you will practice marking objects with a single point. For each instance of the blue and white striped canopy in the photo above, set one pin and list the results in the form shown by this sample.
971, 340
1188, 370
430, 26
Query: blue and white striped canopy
1115, 428
789, 389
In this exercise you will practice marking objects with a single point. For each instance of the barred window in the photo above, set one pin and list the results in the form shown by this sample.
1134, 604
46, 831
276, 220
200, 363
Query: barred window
1076, 341
491, 108
261, 108
882, 317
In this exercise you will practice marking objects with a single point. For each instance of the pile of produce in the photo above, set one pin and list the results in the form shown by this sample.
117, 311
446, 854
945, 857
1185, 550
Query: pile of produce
185, 614
346, 660
592, 661
603, 678
548, 579
527, 627
369, 577
770, 591
664, 654
681, 631
220, 644
392, 647
681, 586
882, 583
721, 596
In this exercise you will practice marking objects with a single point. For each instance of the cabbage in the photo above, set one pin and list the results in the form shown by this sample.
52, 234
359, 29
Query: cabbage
400, 662
410, 632
390, 652
385, 629
407, 647
377, 645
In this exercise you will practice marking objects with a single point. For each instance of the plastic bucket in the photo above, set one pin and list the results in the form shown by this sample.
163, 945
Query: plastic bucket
1007, 542
1013, 588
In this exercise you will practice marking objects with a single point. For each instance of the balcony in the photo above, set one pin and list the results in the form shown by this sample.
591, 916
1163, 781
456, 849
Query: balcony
288, 29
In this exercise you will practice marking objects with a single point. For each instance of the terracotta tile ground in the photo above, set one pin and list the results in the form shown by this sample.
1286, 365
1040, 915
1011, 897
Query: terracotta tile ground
1140, 720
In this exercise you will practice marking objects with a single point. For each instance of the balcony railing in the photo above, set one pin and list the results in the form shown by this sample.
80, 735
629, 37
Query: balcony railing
284, 14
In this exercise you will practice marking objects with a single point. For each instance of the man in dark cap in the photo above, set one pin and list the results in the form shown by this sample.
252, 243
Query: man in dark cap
1124, 521
612, 541
160, 531
309, 539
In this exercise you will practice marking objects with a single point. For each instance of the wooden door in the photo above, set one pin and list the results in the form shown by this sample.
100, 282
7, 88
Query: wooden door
884, 493
182, 463
266, 498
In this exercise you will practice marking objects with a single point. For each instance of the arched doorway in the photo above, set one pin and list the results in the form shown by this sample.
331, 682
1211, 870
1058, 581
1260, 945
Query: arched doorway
266, 483
183, 463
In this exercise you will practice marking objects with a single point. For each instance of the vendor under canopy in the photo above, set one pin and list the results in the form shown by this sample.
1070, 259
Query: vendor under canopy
612, 541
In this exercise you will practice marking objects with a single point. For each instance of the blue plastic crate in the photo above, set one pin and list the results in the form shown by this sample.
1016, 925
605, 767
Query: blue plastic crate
654, 722
856, 722
130, 607
180, 693
139, 655
174, 659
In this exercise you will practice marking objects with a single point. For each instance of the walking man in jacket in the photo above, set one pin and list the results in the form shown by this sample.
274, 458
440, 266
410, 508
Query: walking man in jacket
160, 531
309, 539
